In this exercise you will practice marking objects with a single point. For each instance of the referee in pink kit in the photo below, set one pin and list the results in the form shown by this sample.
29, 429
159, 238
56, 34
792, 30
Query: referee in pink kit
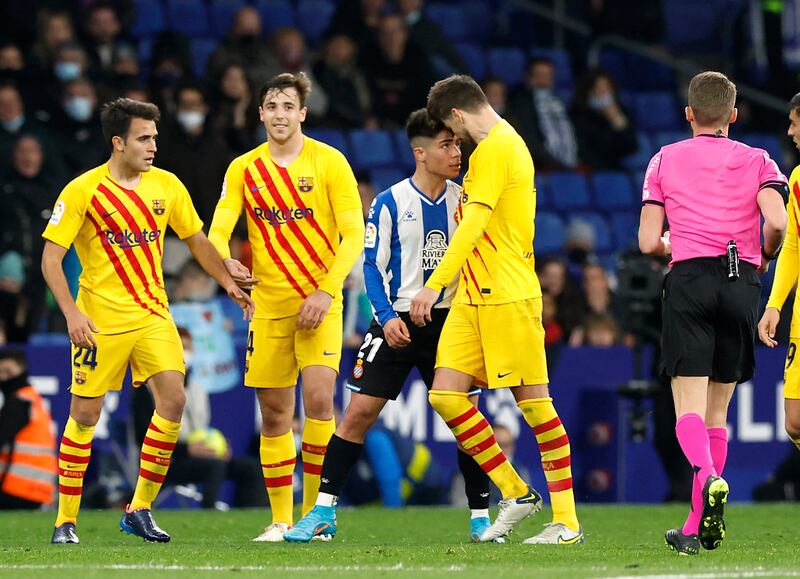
712, 191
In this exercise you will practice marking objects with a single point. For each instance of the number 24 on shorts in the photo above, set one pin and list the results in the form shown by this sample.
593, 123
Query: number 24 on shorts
89, 358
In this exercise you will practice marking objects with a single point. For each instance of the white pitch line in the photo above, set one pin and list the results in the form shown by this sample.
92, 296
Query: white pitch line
716, 575
399, 567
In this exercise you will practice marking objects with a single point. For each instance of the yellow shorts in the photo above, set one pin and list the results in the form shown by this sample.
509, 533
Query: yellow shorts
277, 350
791, 374
152, 349
501, 346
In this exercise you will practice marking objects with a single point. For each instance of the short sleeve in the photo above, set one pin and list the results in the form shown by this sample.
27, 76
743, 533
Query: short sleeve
68, 216
770, 173
342, 186
487, 176
651, 188
183, 219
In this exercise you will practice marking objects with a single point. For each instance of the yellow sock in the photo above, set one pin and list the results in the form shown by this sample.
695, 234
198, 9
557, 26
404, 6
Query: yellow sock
278, 457
554, 448
73, 459
159, 442
477, 438
316, 434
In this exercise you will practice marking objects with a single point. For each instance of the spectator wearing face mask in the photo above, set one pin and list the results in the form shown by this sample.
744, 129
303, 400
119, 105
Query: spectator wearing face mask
338, 74
188, 147
78, 127
605, 131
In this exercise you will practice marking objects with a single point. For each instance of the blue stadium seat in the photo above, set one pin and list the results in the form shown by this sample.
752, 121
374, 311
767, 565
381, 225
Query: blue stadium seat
221, 14
372, 149
450, 18
405, 155
769, 143
542, 202
201, 49
567, 191
508, 64
475, 59
333, 137
656, 111
616, 65
525, 28
663, 138
275, 14
382, 179
314, 17
549, 234
602, 233
649, 74
480, 19
148, 18
625, 230
562, 63
691, 26
638, 161
188, 17
612, 190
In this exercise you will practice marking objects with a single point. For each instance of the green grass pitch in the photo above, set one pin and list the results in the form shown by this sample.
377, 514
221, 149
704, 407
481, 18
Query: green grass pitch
621, 541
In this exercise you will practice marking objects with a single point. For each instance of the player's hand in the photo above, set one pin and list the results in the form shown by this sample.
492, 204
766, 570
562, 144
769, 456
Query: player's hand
313, 310
667, 243
80, 328
396, 333
421, 306
240, 274
245, 301
764, 267
767, 327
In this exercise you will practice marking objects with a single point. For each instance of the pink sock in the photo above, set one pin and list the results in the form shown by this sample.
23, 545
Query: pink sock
694, 441
718, 446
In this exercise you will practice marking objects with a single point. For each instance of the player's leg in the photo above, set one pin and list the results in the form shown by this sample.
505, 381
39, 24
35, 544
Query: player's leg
319, 426
792, 412
791, 393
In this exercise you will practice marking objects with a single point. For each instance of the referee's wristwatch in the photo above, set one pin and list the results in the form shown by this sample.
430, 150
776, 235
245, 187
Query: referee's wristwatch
772, 257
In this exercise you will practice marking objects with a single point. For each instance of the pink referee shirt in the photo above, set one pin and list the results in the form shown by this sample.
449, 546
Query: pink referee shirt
708, 187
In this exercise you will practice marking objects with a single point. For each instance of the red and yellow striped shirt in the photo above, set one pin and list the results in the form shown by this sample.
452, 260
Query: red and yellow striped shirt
118, 234
295, 217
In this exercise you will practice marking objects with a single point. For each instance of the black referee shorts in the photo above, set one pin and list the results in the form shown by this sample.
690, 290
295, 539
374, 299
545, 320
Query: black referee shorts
709, 320
382, 371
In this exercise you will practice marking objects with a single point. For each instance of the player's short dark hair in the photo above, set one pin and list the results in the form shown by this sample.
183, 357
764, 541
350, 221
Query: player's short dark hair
16, 355
458, 91
116, 117
283, 81
421, 124
712, 97
794, 104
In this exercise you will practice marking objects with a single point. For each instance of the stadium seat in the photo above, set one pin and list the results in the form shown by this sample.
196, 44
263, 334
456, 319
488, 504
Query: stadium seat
638, 161
405, 156
656, 111
333, 137
649, 74
525, 29
508, 64
562, 63
662, 138
275, 14
769, 143
625, 230
567, 191
704, 34
314, 17
475, 59
371, 149
549, 234
201, 49
148, 18
614, 62
188, 17
602, 233
612, 190
450, 18
221, 14
480, 19
542, 202
382, 179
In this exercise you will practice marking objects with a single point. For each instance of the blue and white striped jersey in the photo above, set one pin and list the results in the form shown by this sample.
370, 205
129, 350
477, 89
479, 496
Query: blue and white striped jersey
406, 237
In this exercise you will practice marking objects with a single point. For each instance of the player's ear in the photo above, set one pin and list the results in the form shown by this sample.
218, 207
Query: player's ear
118, 143
303, 113
689, 114
419, 154
734, 116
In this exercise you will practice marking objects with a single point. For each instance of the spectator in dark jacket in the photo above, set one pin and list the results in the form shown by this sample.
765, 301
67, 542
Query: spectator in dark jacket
234, 110
338, 74
427, 34
78, 129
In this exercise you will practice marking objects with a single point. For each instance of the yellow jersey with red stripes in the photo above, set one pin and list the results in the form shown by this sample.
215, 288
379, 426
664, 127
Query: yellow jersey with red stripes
291, 221
787, 269
118, 234
500, 268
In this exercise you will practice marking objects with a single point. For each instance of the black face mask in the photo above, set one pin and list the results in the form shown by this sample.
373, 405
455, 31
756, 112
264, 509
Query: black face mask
13, 384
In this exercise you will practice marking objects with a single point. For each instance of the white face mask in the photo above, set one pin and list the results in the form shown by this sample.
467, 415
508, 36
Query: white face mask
191, 120
600, 102
79, 108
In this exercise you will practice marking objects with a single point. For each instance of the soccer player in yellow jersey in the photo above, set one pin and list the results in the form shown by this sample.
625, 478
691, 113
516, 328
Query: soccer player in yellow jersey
116, 215
494, 332
787, 273
306, 228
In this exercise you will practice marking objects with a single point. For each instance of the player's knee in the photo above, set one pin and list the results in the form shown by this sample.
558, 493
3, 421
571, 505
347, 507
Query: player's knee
275, 420
318, 405
85, 416
171, 406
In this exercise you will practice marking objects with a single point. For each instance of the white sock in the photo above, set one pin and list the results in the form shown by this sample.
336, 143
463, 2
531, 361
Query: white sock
478, 513
328, 500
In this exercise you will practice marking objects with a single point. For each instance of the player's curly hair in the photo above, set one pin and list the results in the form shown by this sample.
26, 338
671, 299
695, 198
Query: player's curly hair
281, 82
458, 91
116, 117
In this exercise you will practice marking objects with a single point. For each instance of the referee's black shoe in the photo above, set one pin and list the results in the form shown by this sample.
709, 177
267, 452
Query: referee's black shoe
141, 523
682, 544
65, 534
712, 525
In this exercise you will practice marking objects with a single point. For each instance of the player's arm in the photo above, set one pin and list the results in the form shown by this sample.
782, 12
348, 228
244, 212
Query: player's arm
652, 239
226, 216
377, 252
79, 326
